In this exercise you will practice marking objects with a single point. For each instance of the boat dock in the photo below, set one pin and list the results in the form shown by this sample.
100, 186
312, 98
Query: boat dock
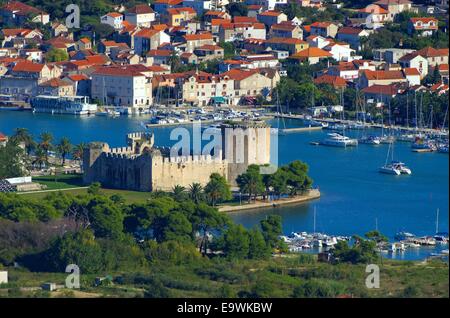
299, 130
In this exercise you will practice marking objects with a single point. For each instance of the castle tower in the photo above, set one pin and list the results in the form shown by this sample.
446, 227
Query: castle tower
90, 155
140, 141
244, 144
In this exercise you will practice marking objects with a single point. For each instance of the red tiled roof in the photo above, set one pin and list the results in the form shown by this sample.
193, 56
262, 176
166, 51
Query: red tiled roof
20, 8
55, 82
216, 22
238, 75
390, 90
28, 67
114, 14
373, 8
271, 13
411, 71
383, 75
286, 41
169, 2
350, 30
321, 25
200, 36
140, 9
159, 53
147, 33
2, 137
78, 77
180, 10
335, 81
239, 19
15, 32
284, 26
311, 52
126, 70
160, 27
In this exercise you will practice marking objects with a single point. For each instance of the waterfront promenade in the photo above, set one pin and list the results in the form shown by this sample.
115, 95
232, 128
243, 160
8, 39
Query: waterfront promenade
260, 204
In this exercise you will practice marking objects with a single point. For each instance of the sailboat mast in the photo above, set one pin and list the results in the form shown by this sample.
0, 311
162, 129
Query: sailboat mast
314, 224
437, 220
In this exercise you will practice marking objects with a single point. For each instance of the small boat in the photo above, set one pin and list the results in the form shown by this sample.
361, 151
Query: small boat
314, 143
338, 140
422, 145
442, 148
404, 236
370, 140
387, 139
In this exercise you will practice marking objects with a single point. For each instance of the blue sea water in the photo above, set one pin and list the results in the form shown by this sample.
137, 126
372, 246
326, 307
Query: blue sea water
354, 195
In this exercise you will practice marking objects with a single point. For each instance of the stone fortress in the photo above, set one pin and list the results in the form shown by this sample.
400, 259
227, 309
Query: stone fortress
141, 166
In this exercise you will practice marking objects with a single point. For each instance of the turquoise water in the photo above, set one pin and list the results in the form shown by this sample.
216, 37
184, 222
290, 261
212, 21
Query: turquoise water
354, 194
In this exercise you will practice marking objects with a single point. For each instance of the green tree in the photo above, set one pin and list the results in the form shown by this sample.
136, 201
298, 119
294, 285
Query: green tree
297, 176
40, 158
75, 248
271, 230
22, 135
179, 193
196, 192
106, 218
57, 55
78, 152
236, 242
258, 248
237, 9
217, 189
206, 219
251, 182
64, 147
11, 160
45, 143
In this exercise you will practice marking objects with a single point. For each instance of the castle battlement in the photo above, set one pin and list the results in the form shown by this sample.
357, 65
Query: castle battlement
199, 159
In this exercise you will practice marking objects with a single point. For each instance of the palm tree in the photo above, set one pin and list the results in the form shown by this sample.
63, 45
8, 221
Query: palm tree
22, 135
196, 192
178, 192
40, 157
78, 152
46, 143
214, 192
64, 148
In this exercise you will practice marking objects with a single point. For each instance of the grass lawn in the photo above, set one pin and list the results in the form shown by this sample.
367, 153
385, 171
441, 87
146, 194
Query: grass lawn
129, 196
63, 181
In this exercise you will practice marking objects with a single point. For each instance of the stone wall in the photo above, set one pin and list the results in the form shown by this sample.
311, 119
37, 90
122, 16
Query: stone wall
169, 172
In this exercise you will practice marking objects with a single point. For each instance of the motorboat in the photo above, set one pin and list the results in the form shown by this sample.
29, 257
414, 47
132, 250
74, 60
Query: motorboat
387, 139
370, 140
404, 236
390, 169
338, 140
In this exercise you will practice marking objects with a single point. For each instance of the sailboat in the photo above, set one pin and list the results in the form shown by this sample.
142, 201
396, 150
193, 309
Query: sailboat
278, 130
394, 167
338, 140
366, 139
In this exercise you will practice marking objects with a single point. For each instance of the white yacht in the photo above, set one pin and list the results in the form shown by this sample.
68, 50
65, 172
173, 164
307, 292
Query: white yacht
338, 140
394, 167
390, 169
370, 140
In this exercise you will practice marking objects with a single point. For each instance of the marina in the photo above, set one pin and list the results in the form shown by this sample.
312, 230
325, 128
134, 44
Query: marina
406, 203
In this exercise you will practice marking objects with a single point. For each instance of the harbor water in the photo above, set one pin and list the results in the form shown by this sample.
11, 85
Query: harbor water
356, 198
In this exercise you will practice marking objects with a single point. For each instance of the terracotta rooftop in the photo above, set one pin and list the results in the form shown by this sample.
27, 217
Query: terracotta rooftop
140, 9
383, 75
28, 67
200, 36
311, 52
55, 82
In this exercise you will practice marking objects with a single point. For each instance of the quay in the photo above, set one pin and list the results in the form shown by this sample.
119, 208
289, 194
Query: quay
259, 204
368, 125
299, 130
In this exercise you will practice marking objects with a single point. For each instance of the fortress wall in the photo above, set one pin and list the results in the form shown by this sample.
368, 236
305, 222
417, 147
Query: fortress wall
167, 173
119, 171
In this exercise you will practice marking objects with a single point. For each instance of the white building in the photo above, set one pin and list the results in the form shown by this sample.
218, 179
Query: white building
114, 19
128, 86
141, 15
3, 277
267, 4
340, 52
